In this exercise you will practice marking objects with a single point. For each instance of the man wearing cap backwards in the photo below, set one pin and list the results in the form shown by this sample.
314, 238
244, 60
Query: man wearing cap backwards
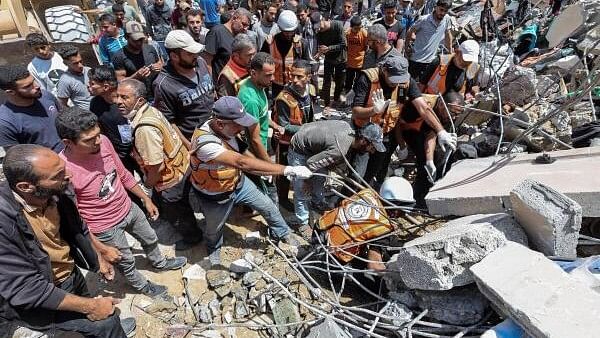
162, 156
427, 34
220, 37
285, 47
218, 164
137, 60
236, 70
322, 146
184, 91
389, 97
452, 72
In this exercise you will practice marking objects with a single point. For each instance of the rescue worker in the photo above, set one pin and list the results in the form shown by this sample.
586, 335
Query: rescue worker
218, 162
455, 70
293, 107
285, 47
236, 69
389, 97
163, 158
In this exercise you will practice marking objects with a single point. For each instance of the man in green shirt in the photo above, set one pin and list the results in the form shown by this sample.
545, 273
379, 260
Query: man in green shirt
253, 96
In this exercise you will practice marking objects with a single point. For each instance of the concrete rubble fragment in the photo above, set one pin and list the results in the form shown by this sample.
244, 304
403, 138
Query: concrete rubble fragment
285, 312
458, 306
551, 220
327, 329
400, 312
537, 294
217, 278
440, 260
240, 266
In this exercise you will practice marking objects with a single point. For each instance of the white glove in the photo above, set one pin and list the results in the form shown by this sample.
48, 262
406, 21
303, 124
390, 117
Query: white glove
379, 102
300, 172
445, 139
431, 170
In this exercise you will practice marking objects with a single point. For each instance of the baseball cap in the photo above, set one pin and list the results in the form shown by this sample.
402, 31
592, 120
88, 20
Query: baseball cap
470, 50
373, 134
230, 108
134, 29
181, 39
397, 69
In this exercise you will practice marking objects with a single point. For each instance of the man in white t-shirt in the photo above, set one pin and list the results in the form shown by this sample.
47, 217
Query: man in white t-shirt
46, 65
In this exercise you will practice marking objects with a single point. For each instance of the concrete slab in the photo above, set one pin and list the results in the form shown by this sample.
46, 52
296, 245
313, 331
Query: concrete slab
483, 185
550, 219
537, 294
440, 260
566, 24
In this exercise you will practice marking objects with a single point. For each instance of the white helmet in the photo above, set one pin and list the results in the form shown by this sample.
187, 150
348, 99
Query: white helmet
397, 189
287, 21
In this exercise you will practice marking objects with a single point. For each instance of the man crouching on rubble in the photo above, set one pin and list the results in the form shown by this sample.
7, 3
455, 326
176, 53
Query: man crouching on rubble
218, 159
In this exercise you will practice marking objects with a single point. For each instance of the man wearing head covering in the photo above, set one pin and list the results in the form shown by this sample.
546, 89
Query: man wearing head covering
455, 70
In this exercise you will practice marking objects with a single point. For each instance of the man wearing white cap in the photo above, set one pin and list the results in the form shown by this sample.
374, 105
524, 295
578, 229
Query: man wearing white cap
184, 90
218, 164
455, 70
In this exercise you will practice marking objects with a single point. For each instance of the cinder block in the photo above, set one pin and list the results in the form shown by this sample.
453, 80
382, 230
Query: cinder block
551, 219
537, 294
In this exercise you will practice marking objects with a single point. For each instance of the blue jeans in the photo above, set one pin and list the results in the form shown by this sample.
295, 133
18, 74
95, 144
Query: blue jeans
217, 212
301, 197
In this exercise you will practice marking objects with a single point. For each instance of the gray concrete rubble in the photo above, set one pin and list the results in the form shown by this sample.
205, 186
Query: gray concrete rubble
483, 185
576, 19
518, 85
551, 220
459, 306
327, 329
440, 260
537, 294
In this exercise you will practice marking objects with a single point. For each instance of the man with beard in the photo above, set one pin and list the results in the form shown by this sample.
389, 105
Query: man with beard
101, 183
266, 27
195, 26
44, 244
379, 47
138, 59
322, 146
184, 91
46, 66
427, 34
162, 156
73, 83
218, 165
28, 113
159, 20
293, 107
220, 38
236, 70
346, 15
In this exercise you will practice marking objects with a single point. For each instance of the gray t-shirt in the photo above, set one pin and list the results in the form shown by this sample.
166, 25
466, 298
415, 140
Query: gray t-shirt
263, 31
429, 35
317, 141
74, 87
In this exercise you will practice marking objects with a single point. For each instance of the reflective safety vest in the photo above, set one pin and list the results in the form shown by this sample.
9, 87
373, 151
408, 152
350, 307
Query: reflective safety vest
233, 78
215, 180
357, 219
176, 157
416, 124
386, 120
296, 114
283, 64
437, 82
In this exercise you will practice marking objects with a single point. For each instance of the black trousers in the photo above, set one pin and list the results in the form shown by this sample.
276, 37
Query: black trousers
422, 72
337, 72
379, 162
283, 184
77, 322
351, 74
415, 140
175, 208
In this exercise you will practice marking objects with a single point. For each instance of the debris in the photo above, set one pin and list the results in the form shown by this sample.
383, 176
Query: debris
285, 312
240, 266
440, 260
209, 334
571, 20
327, 329
550, 219
160, 305
251, 278
400, 312
518, 85
217, 278
252, 237
204, 313
223, 290
483, 185
241, 311
195, 271
537, 294
215, 308
459, 306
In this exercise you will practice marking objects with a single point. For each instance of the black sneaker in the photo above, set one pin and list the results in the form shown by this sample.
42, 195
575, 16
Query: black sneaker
173, 263
154, 290
128, 325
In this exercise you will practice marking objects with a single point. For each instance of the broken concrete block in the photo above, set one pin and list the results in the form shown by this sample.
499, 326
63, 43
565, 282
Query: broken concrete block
551, 219
204, 313
460, 306
251, 278
571, 20
537, 294
217, 278
400, 312
284, 312
518, 86
483, 185
327, 329
240, 266
440, 260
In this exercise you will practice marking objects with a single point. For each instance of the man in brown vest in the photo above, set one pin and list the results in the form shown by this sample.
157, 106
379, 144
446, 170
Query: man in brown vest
236, 70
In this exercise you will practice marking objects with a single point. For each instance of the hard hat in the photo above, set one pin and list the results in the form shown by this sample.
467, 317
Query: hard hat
287, 21
397, 189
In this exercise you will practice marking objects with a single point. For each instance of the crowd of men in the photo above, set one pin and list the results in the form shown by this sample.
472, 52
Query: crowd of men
210, 108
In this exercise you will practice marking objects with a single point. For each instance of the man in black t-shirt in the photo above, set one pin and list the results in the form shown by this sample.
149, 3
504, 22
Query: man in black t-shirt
392, 25
409, 116
138, 60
